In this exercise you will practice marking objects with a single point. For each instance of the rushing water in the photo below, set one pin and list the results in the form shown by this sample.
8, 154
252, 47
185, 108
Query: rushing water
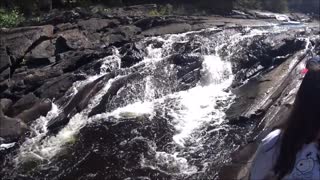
193, 103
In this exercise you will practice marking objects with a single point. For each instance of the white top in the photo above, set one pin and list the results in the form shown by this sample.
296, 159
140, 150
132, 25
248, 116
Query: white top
306, 166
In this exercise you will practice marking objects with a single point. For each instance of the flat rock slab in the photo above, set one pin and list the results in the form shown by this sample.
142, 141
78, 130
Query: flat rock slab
19, 40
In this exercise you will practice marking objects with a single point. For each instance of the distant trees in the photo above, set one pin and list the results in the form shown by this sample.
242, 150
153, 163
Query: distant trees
306, 6
270, 5
274, 5
217, 6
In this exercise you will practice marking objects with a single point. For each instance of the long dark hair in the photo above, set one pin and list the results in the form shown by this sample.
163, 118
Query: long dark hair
303, 124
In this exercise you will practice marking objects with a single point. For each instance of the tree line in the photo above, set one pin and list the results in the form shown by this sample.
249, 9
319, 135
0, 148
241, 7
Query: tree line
215, 6
305, 6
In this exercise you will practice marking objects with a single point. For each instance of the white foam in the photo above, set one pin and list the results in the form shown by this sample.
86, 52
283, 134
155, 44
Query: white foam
43, 147
198, 105
6, 146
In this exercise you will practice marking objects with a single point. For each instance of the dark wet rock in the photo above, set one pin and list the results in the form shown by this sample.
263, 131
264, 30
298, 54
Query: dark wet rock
256, 54
120, 35
152, 22
39, 109
10, 128
167, 29
5, 59
116, 150
131, 55
96, 25
4, 75
276, 106
112, 91
73, 60
188, 70
75, 39
61, 45
48, 64
64, 27
19, 41
56, 87
128, 31
26, 79
22, 104
5, 104
41, 55
29, 80
79, 101
300, 17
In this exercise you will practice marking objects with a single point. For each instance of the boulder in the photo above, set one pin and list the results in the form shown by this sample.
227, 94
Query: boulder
4, 75
41, 54
131, 55
26, 102
168, 29
39, 109
5, 104
115, 149
188, 70
11, 128
57, 87
75, 39
96, 24
44, 50
64, 27
5, 59
112, 91
74, 60
79, 101
151, 22
19, 41
120, 36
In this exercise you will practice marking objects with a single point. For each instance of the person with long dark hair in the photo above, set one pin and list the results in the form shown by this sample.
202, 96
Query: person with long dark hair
292, 150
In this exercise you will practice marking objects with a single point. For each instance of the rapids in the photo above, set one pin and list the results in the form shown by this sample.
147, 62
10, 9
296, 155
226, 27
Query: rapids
169, 122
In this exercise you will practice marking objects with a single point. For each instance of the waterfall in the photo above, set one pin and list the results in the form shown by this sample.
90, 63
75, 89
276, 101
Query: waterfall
183, 78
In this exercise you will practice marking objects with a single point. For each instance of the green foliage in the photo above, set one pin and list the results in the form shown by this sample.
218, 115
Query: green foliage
275, 5
10, 18
162, 11
270, 5
248, 4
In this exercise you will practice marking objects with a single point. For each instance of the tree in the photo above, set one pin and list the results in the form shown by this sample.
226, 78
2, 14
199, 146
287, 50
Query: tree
45, 5
275, 5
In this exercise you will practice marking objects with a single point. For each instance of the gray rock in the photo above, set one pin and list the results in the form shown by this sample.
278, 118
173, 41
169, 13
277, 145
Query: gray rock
19, 40
167, 29
5, 60
96, 24
75, 39
39, 109
79, 101
5, 74
5, 104
26, 102
41, 54
11, 128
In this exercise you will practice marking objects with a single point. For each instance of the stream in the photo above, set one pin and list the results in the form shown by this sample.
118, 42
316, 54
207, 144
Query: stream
162, 118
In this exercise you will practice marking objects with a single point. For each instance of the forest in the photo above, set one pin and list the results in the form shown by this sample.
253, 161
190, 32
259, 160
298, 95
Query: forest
215, 6
13, 12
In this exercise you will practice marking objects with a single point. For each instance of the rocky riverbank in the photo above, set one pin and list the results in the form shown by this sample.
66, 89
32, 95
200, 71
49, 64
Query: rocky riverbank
41, 63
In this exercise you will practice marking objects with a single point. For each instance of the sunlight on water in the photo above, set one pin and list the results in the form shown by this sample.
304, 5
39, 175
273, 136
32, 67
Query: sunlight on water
30, 149
130, 111
204, 103
42, 147
199, 104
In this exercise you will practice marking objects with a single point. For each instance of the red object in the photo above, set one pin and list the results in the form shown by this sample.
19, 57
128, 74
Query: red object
304, 71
